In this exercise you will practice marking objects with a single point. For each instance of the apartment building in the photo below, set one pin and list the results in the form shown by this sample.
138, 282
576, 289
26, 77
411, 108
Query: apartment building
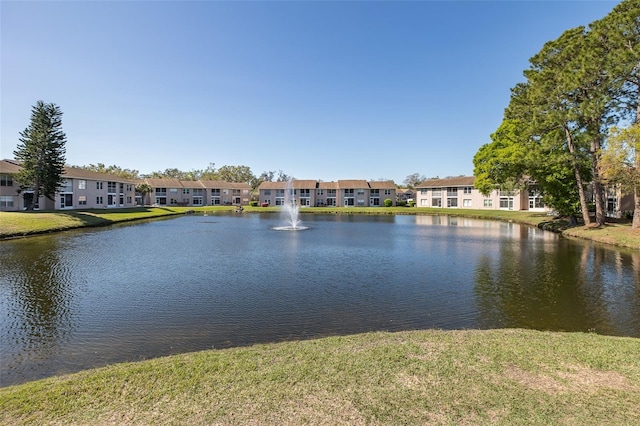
84, 189
459, 192
81, 189
343, 193
175, 192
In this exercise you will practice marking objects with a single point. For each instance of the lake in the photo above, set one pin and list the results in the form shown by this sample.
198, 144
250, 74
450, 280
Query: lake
88, 298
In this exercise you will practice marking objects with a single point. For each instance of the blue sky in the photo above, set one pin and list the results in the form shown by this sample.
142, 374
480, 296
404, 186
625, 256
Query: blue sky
321, 90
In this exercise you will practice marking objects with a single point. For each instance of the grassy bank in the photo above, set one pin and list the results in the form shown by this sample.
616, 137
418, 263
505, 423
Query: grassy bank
17, 224
419, 377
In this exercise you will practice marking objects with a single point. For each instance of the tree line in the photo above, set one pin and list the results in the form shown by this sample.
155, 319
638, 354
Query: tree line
227, 173
572, 125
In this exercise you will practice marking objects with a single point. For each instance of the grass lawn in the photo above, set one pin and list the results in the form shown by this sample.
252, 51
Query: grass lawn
419, 377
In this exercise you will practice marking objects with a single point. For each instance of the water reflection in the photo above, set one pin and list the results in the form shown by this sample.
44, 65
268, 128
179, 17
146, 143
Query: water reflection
574, 287
36, 298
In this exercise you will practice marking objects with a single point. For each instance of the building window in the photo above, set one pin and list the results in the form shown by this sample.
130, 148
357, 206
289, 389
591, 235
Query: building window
82, 200
467, 189
99, 185
466, 202
506, 203
452, 202
82, 184
424, 191
215, 192
320, 192
360, 191
99, 199
331, 192
173, 190
488, 202
536, 202
129, 187
6, 180
436, 202
6, 201
387, 192
348, 192
67, 186
185, 191
129, 199
267, 192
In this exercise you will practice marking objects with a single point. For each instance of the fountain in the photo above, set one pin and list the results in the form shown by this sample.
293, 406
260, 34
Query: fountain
290, 212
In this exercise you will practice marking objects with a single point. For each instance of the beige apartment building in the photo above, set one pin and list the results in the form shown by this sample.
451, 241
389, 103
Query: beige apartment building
459, 192
81, 189
343, 193
84, 189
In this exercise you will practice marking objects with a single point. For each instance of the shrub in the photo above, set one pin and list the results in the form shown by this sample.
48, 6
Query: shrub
253, 204
412, 203
388, 202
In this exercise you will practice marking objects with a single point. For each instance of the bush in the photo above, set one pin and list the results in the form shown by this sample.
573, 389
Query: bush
412, 203
388, 202
253, 204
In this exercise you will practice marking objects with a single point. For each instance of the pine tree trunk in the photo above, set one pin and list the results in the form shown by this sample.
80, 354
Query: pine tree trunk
576, 171
636, 212
598, 189
636, 188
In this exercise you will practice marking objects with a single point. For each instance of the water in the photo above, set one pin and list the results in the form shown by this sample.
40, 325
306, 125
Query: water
88, 298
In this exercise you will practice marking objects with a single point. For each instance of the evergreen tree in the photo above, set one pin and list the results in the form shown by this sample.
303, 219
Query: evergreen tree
42, 152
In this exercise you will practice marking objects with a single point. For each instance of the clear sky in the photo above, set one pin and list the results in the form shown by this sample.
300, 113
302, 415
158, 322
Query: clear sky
318, 89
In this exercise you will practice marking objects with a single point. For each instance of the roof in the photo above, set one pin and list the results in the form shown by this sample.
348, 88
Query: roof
356, 184
382, 184
8, 166
12, 166
452, 181
304, 184
295, 184
328, 185
163, 183
272, 185
192, 184
79, 173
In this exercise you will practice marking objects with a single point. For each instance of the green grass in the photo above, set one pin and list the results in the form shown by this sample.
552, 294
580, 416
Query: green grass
16, 224
421, 377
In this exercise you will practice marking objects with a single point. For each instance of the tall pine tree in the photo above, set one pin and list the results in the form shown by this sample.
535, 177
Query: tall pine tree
42, 153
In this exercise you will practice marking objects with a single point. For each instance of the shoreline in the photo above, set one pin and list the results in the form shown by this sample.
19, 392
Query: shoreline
15, 225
